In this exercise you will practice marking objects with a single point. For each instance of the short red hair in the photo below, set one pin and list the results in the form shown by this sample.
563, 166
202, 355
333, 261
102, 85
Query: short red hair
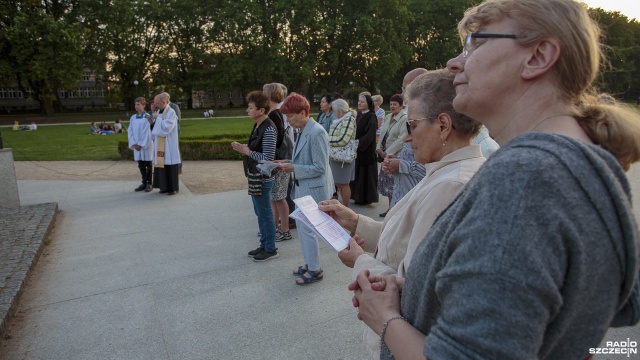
294, 103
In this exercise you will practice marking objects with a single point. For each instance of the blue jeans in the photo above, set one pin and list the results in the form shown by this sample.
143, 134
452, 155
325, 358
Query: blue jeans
262, 208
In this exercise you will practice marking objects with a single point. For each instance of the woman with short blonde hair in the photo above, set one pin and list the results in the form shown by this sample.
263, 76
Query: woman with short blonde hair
279, 205
538, 255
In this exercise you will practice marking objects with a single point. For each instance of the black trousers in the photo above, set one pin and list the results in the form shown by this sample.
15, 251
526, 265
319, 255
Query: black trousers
146, 169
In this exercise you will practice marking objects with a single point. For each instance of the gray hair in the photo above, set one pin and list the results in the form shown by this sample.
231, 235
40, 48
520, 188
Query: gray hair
284, 88
340, 105
433, 93
163, 96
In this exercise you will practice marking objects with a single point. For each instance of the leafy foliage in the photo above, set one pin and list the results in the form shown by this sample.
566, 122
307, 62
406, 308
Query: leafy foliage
621, 39
42, 46
313, 46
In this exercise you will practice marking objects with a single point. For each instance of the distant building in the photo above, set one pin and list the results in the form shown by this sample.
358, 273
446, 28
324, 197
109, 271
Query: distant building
88, 93
203, 99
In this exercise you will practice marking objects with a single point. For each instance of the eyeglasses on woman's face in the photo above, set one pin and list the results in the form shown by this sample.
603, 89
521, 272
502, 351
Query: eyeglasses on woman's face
471, 43
412, 123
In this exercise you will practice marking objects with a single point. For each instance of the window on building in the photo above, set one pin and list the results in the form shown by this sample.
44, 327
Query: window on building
62, 94
230, 94
3, 93
219, 96
12, 93
86, 76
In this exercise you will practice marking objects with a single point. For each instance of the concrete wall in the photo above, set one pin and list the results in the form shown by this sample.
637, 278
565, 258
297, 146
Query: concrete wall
8, 184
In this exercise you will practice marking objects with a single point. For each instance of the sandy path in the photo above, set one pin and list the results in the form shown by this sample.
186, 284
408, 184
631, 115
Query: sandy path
201, 177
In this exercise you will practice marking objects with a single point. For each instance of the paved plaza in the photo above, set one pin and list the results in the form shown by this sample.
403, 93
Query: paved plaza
146, 276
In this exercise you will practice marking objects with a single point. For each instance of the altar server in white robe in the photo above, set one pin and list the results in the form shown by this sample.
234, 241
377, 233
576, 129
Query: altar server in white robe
141, 142
166, 156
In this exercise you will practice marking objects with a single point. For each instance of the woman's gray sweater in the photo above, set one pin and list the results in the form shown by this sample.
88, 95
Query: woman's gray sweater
532, 259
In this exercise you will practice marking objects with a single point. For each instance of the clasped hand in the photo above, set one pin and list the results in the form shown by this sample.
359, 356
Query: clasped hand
391, 165
377, 298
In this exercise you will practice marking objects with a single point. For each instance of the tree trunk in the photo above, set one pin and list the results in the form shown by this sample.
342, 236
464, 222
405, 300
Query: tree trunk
57, 105
46, 106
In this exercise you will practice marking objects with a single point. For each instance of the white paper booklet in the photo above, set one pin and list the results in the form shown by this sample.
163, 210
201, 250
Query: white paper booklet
322, 224
266, 167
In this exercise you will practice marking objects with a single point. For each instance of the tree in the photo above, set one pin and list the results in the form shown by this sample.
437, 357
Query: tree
127, 38
42, 45
433, 33
183, 64
363, 42
621, 37
247, 43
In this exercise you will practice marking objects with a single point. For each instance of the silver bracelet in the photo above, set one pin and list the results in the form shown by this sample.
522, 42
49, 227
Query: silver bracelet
384, 328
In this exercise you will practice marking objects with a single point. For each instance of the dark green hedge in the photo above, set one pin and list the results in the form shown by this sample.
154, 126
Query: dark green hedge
216, 147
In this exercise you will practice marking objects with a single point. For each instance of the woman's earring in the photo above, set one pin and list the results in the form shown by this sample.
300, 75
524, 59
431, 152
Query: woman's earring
444, 142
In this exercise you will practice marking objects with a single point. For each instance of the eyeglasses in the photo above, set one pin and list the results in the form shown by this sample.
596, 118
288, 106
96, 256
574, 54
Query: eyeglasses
470, 43
409, 121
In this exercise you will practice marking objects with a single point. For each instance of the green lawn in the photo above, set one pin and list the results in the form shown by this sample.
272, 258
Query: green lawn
73, 142
107, 115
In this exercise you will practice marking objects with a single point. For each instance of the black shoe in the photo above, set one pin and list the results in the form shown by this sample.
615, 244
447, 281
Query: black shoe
384, 213
141, 187
163, 191
148, 188
172, 192
265, 255
255, 252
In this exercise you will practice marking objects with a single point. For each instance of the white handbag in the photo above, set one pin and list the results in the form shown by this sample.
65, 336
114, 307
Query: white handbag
344, 154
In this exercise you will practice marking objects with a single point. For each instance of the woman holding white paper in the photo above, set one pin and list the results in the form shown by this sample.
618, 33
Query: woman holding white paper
310, 165
441, 139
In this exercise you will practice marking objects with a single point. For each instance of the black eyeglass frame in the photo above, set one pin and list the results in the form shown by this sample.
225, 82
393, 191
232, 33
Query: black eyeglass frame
467, 41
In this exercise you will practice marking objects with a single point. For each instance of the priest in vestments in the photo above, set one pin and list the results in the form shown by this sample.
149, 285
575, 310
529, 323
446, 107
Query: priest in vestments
166, 157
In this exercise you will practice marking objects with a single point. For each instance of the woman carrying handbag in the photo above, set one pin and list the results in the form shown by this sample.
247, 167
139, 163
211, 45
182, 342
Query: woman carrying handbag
342, 141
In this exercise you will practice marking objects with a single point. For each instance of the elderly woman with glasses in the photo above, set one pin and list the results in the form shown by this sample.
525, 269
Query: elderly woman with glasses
441, 139
538, 255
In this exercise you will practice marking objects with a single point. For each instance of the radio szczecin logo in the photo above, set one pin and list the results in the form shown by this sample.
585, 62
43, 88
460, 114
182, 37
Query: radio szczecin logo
617, 347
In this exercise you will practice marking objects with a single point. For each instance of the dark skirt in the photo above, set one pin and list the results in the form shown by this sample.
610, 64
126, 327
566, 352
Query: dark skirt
166, 179
364, 188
